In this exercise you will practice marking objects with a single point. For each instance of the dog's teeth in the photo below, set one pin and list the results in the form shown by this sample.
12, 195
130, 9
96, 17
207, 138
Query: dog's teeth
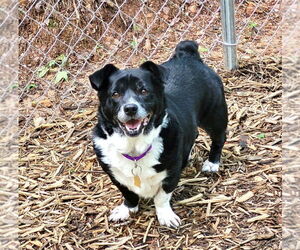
146, 120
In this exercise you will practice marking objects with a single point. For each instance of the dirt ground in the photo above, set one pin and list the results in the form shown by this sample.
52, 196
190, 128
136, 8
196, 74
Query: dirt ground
65, 197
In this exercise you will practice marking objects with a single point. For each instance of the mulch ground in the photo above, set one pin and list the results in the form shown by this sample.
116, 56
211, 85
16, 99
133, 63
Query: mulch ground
65, 197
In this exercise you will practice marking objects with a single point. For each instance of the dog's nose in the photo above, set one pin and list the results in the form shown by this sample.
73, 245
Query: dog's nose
130, 109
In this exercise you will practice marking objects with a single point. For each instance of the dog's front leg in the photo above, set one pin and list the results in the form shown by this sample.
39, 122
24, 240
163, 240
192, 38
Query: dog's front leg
130, 205
164, 212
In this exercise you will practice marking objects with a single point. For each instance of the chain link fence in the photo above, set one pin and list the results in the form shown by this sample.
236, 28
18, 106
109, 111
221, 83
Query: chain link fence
8, 125
62, 42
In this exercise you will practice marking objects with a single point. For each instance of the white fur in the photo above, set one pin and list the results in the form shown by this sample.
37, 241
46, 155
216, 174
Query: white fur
164, 212
210, 167
141, 112
122, 212
122, 168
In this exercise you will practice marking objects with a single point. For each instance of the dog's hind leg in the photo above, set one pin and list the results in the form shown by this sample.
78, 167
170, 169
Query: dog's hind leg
213, 162
215, 126
193, 146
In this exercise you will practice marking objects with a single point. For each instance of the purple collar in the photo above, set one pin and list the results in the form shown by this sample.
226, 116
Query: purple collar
136, 158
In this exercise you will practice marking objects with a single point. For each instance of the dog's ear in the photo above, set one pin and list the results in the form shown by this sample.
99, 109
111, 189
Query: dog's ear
100, 77
158, 71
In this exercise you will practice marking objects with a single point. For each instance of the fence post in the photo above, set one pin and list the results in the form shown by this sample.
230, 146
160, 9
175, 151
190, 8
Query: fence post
228, 33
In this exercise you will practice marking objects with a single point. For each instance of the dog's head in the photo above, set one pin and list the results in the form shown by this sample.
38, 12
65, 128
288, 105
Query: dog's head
131, 99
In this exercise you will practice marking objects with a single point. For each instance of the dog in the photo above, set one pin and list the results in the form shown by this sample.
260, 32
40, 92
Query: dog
148, 121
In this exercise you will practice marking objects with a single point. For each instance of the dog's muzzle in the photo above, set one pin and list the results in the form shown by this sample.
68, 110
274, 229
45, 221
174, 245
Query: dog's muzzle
134, 126
132, 119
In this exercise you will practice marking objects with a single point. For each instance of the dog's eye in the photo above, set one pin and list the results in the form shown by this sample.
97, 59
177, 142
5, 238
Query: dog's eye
115, 95
144, 92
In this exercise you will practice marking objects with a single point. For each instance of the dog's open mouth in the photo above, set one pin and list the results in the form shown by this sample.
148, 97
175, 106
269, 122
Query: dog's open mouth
134, 127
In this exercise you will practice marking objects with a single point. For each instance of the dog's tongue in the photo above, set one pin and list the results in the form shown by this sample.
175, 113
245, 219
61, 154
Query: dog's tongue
133, 124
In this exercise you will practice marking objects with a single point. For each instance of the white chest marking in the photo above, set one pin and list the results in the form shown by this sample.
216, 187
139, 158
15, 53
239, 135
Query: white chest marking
124, 169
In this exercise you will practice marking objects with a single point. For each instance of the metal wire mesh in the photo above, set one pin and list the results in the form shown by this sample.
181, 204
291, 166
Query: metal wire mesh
61, 42
8, 126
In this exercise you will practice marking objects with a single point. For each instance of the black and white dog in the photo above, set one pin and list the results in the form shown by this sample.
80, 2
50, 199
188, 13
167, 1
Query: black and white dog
147, 124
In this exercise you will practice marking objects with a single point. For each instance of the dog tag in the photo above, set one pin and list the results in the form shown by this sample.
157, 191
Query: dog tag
137, 181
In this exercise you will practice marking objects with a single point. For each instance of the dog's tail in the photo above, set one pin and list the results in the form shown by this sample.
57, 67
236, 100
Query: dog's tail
187, 48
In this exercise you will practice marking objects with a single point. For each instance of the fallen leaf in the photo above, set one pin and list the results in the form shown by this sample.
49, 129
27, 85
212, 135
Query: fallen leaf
261, 136
147, 45
37, 121
245, 197
250, 9
61, 75
89, 178
46, 103
258, 179
193, 8
166, 10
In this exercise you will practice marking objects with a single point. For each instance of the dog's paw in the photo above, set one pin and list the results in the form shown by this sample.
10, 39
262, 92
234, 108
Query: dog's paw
122, 212
167, 217
210, 167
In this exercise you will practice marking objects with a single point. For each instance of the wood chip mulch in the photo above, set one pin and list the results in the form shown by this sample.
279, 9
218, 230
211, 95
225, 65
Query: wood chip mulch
65, 198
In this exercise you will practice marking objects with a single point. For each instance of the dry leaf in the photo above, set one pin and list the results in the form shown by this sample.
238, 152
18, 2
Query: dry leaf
46, 103
38, 121
245, 197
147, 45
193, 8
250, 8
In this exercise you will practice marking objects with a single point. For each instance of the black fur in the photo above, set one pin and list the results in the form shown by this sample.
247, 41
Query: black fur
187, 89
